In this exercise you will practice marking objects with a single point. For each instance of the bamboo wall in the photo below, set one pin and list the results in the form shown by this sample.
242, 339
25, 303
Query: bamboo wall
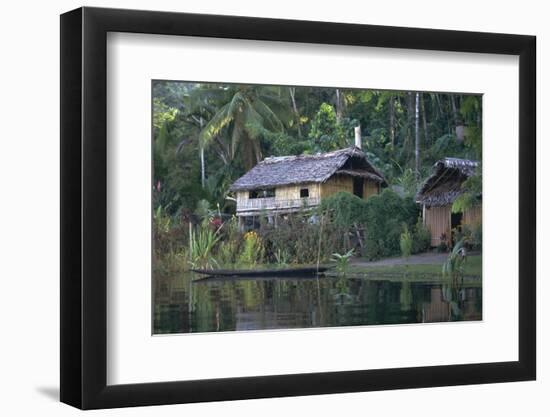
472, 216
292, 192
287, 192
335, 184
288, 196
345, 183
438, 221
370, 188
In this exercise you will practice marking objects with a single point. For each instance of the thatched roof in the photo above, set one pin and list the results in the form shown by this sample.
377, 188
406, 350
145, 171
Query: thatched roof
445, 184
287, 170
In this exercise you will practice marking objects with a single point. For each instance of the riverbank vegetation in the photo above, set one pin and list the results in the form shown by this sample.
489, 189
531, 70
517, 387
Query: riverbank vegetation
334, 231
205, 136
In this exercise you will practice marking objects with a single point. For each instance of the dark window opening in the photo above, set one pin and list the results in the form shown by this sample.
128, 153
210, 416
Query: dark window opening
304, 192
267, 193
456, 220
358, 186
456, 226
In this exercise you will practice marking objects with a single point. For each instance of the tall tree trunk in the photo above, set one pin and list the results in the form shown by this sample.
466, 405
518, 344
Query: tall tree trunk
203, 176
417, 136
203, 169
424, 123
338, 106
408, 145
292, 91
392, 121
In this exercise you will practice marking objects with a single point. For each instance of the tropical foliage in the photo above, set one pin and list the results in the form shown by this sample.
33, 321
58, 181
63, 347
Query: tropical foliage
455, 263
342, 261
207, 135
406, 242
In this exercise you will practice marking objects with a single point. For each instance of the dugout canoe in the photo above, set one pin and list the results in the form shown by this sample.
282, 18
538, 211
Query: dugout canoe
285, 272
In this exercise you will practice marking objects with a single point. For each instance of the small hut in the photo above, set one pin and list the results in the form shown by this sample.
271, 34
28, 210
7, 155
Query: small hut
286, 184
438, 193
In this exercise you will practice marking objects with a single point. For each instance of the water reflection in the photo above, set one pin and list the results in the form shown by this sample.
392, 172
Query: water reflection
184, 306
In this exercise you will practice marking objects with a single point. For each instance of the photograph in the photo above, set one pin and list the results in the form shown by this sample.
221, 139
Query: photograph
291, 207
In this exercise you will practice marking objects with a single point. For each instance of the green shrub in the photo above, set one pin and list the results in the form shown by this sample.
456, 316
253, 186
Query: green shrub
228, 252
442, 247
454, 265
203, 209
299, 239
422, 237
281, 257
167, 265
342, 261
169, 234
344, 209
477, 240
252, 251
406, 242
202, 245
346, 217
384, 217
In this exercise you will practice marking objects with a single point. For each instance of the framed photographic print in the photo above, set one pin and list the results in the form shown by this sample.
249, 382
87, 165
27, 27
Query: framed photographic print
256, 208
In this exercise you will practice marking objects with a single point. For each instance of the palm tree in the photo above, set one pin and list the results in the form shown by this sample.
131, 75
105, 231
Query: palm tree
244, 114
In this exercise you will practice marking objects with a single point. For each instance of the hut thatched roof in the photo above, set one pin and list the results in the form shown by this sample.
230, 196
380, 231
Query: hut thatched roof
445, 184
300, 169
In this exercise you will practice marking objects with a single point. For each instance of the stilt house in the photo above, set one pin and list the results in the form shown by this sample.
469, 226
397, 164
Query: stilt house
286, 184
438, 193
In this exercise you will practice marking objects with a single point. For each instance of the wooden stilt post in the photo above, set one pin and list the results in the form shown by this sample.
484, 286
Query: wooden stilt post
240, 223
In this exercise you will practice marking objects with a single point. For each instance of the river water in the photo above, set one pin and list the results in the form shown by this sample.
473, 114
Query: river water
184, 305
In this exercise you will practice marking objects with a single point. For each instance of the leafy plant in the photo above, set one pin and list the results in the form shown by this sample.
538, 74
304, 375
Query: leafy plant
170, 264
408, 181
201, 248
281, 257
161, 220
342, 261
406, 242
203, 209
228, 252
454, 265
244, 114
477, 239
470, 197
422, 237
252, 250
325, 131
385, 215
343, 209
300, 240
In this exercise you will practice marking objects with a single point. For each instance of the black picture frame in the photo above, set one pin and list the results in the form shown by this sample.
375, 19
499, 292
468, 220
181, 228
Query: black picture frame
84, 207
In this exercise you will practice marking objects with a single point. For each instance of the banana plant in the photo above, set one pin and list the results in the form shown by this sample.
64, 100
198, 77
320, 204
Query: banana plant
342, 261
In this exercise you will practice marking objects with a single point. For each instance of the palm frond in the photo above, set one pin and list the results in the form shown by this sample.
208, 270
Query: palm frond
253, 122
269, 115
206, 97
215, 125
281, 107
236, 136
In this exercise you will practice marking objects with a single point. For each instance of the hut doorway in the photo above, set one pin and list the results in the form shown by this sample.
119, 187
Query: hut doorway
456, 225
358, 186
456, 220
